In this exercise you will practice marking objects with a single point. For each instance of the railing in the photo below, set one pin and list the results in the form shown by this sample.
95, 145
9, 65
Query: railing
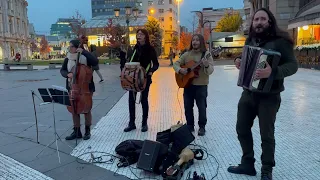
308, 58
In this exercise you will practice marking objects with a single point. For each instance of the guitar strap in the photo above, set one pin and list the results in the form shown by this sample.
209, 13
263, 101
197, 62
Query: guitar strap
197, 72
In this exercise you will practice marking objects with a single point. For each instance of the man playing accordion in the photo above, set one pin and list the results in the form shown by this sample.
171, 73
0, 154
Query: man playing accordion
263, 33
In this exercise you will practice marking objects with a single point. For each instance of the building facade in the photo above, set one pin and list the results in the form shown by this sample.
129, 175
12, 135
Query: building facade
283, 10
14, 30
166, 11
305, 24
214, 15
63, 27
106, 7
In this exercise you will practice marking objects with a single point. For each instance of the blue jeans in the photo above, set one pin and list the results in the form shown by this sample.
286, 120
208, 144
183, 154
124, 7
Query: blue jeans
199, 94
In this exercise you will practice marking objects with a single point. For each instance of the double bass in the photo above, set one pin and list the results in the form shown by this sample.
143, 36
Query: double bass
80, 95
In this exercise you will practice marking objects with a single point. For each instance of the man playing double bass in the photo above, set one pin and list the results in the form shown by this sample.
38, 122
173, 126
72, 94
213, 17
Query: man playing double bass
89, 60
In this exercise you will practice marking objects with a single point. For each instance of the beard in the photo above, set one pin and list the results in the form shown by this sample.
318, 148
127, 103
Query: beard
260, 31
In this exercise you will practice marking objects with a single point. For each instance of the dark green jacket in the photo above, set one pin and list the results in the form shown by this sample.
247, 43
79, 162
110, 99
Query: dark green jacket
288, 64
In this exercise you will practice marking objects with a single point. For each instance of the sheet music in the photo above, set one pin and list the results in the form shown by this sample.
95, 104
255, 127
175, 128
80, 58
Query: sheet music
60, 88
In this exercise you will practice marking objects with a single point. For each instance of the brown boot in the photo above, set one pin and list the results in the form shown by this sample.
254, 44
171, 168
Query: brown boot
75, 134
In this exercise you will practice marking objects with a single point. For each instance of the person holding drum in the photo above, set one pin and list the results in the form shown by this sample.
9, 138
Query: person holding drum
146, 55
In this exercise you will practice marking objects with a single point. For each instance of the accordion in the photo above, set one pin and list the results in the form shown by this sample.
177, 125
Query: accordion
252, 59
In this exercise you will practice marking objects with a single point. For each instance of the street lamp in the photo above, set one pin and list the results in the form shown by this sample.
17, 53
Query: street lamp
210, 44
201, 22
128, 13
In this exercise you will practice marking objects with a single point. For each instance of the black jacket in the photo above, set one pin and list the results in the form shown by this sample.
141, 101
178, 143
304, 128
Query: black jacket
91, 61
288, 64
146, 55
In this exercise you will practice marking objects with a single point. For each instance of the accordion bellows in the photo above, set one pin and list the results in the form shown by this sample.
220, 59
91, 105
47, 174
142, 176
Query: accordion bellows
252, 59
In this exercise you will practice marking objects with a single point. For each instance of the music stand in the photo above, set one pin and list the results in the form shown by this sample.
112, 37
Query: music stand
54, 95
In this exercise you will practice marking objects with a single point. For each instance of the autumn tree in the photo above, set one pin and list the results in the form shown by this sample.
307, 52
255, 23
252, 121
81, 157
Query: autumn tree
116, 34
76, 26
33, 46
175, 42
155, 33
230, 22
185, 40
44, 46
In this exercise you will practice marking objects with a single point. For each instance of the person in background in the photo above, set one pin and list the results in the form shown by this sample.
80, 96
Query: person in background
93, 49
122, 56
171, 57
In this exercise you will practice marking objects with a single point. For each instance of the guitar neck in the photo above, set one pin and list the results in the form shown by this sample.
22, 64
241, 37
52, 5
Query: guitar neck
205, 57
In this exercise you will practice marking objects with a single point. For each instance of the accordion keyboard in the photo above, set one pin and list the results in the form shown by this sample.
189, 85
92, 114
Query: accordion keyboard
260, 65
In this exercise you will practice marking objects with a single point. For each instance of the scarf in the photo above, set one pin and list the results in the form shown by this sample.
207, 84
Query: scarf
72, 57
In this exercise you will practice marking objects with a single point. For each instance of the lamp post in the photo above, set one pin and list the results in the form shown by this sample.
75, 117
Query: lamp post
210, 28
128, 13
179, 1
201, 22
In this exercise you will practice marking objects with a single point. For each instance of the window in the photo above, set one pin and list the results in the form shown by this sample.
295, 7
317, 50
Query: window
150, 3
170, 27
161, 2
10, 25
170, 1
170, 9
161, 19
170, 18
161, 10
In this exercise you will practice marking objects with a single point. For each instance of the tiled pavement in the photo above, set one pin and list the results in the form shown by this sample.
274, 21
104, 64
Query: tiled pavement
12, 169
297, 126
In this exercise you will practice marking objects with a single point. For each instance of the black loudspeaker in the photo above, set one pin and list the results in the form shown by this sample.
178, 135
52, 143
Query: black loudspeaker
151, 156
182, 137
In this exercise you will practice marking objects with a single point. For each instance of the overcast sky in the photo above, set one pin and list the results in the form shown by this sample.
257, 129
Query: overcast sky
43, 13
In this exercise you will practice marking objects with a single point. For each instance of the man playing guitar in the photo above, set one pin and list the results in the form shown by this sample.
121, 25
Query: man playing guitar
198, 90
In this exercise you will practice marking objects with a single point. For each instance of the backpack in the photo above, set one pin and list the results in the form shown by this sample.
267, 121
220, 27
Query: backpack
129, 150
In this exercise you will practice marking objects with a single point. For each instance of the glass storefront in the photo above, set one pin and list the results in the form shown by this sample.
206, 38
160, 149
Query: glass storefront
309, 34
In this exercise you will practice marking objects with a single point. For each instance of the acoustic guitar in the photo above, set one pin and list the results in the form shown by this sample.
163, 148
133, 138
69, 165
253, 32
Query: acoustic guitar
193, 67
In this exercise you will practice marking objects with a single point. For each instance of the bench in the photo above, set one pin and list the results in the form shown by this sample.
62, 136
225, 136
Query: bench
6, 67
53, 65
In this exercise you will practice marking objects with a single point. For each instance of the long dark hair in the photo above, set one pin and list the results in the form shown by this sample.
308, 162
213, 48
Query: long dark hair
274, 29
145, 32
202, 43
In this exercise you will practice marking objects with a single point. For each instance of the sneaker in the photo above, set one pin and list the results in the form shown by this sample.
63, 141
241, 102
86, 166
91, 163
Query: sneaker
266, 176
202, 131
242, 169
101, 80
129, 128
